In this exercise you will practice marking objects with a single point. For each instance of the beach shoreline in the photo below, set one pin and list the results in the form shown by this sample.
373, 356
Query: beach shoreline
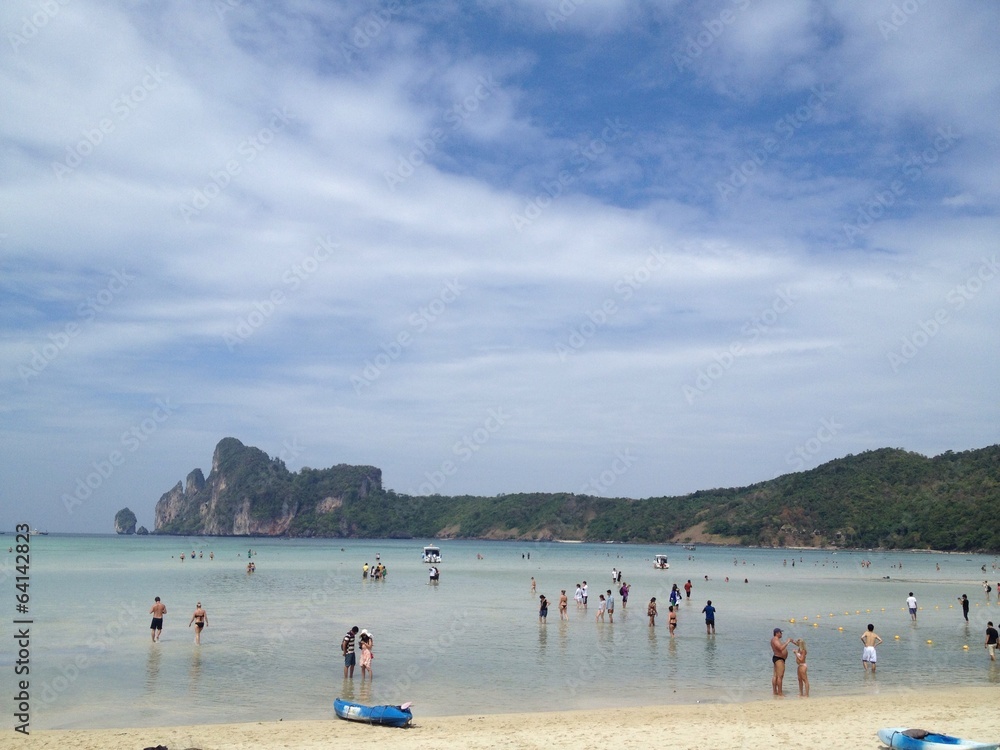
839, 721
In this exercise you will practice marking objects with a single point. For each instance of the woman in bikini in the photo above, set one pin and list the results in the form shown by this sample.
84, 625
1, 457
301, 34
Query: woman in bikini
200, 619
800, 660
651, 611
672, 620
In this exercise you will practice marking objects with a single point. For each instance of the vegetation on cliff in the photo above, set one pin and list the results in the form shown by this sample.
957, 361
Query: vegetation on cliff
882, 498
125, 521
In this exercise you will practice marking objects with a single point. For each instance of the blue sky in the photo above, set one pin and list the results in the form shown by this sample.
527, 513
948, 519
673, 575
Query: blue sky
621, 248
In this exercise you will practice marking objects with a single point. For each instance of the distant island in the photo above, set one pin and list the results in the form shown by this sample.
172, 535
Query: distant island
886, 498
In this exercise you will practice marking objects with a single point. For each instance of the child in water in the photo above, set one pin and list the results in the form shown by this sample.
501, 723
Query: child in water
800, 660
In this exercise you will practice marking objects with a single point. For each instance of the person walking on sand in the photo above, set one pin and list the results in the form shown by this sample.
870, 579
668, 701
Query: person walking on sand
871, 640
800, 661
709, 611
563, 605
965, 606
157, 611
651, 612
911, 604
200, 620
543, 609
347, 649
779, 653
991, 641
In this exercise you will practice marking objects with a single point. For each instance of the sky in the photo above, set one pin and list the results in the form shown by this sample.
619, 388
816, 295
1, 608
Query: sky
626, 249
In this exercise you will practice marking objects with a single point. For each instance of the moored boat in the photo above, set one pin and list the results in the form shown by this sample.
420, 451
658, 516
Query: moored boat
432, 554
389, 716
903, 738
660, 562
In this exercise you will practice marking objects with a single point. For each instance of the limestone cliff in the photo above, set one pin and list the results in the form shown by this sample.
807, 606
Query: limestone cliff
247, 493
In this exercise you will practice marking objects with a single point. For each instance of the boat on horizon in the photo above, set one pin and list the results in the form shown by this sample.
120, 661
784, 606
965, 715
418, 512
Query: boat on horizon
36, 532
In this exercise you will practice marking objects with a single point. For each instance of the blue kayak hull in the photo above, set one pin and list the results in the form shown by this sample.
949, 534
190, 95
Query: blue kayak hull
895, 738
388, 716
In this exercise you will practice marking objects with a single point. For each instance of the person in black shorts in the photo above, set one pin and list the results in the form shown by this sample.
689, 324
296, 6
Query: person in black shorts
156, 626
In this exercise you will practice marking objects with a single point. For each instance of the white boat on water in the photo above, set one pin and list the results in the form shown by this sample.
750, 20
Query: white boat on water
660, 562
432, 554
36, 532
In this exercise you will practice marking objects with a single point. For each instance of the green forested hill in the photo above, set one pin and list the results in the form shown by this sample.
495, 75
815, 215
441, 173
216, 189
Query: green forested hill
883, 498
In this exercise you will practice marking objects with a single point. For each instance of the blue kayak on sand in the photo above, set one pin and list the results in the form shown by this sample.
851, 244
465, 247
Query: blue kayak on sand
389, 716
902, 738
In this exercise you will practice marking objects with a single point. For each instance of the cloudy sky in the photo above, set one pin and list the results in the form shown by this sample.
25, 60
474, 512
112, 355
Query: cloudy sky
621, 248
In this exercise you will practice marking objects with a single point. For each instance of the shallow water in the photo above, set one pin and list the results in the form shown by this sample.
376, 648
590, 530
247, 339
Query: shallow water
472, 642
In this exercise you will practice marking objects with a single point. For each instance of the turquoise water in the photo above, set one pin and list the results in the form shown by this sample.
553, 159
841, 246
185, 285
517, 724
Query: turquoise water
472, 643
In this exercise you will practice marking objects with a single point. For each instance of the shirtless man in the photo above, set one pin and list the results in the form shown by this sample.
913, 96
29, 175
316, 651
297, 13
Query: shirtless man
778, 657
871, 640
156, 626
200, 618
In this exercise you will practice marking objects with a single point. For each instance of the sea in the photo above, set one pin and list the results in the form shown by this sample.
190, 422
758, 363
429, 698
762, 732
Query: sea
470, 643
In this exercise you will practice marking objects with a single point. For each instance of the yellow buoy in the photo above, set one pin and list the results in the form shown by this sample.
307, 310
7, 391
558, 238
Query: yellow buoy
929, 641
815, 624
792, 620
897, 637
841, 627
965, 647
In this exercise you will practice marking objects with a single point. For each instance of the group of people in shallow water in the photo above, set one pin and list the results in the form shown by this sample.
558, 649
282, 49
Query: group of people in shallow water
377, 573
606, 603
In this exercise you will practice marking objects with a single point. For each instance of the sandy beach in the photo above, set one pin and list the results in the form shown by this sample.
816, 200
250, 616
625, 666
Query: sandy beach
791, 722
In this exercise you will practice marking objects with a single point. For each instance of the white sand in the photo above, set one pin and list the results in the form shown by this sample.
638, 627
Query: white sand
792, 722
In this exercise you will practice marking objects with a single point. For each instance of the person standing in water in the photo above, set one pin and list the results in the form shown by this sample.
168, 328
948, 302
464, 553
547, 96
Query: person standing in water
156, 626
800, 662
871, 640
200, 619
